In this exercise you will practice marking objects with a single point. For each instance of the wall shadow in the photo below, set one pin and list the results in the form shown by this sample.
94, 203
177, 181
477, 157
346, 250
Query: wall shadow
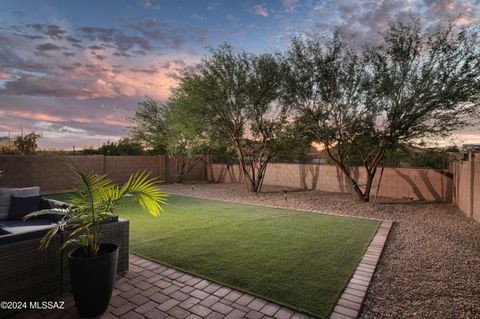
307, 170
412, 184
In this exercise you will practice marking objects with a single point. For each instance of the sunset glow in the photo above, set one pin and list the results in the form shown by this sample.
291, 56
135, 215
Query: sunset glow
74, 71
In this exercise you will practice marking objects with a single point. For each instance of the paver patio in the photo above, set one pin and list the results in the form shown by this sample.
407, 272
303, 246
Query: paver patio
153, 291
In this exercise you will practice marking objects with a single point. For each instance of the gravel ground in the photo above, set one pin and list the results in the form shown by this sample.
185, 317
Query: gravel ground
431, 264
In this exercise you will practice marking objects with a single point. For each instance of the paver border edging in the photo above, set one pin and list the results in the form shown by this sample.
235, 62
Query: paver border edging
351, 301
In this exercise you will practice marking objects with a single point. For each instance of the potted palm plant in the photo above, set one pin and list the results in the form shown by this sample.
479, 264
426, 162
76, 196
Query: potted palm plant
92, 262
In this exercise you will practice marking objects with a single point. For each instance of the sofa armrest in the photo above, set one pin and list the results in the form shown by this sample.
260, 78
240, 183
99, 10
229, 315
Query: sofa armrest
48, 203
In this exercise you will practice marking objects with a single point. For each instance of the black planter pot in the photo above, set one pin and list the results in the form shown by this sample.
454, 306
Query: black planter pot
93, 278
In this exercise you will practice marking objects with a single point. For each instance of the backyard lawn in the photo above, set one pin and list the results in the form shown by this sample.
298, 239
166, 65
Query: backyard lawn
301, 260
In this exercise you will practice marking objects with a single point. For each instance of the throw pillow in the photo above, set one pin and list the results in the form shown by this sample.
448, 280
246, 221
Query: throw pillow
23, 205
6, 193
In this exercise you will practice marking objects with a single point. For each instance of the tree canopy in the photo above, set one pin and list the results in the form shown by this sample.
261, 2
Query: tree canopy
416, 84
27, 143
362, 103
236, 96
148, 125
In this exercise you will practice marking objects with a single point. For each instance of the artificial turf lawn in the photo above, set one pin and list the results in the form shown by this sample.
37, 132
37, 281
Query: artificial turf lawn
301, 260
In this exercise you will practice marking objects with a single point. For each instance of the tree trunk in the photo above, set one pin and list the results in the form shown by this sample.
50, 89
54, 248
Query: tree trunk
378, 185
251, 185
254, 177
368, 188
183, 166
371, 172
344, 169
356, 188
179, 168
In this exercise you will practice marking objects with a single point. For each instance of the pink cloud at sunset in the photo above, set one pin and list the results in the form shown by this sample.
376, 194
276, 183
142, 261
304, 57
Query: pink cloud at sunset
76, 72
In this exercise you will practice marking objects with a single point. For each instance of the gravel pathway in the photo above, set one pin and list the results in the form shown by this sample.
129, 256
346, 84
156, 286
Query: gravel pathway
430, 267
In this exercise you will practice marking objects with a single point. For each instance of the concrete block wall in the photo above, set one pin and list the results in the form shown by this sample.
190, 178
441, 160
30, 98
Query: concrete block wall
119, 168
424, 184
467, 186
198, 172
53, 174
476, 190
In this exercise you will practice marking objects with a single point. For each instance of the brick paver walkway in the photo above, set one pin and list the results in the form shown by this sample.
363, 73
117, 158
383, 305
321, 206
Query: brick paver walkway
153, 291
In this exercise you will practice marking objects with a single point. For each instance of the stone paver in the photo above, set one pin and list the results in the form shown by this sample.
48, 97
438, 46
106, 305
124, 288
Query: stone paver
150, 290
351, 301
153, 291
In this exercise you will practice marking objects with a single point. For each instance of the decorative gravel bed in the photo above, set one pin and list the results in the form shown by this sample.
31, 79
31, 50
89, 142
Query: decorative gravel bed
430, 267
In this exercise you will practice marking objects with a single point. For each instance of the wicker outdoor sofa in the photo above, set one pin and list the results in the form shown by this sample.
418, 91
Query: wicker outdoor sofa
29, 274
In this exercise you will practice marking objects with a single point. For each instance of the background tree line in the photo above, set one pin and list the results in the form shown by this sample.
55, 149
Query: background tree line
26, 144
360, 102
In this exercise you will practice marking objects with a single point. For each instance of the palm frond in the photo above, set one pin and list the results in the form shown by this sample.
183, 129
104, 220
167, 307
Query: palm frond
93, 188
45, 241
51, 211
69, 242
145, 192
94, 201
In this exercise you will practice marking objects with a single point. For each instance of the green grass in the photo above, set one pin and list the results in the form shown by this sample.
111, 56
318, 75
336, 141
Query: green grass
301, 260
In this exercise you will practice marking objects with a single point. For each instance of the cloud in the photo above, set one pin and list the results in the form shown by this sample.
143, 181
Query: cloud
71, 130
115, 38
5, 76
198, 17
162, 32
45, 47
33, 116
364, 20
67, 136
260, 10
151, 70
19, 13
99, 56
212, 6
290, 5
231, 18
73, 40
30, 36
464, 21
95, 79
65, 123
149, 4
41, 86
11, 60
52, 30
76, 83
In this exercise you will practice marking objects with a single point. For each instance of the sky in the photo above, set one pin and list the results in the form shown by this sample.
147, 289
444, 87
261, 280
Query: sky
75, 70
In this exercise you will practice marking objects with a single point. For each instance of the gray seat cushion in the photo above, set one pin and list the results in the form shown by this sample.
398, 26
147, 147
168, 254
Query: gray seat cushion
20, 227
6, 193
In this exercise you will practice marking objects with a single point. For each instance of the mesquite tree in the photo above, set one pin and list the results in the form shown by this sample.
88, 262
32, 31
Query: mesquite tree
413, 86
148, 125
237, 95
166, 129
325, 86
27, 143
420, 85
187, 140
